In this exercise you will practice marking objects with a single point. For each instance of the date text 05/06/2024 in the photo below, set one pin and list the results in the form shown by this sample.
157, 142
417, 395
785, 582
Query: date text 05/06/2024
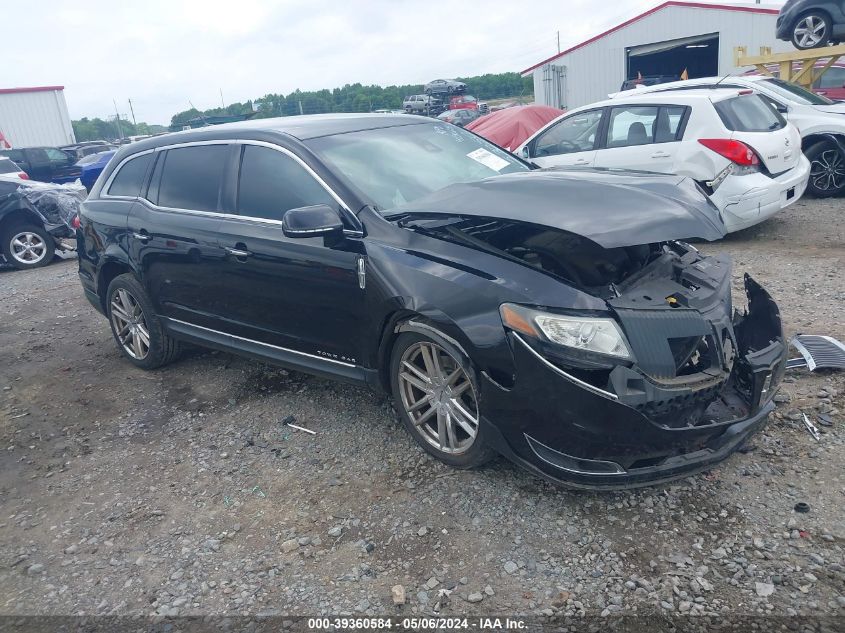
417, 624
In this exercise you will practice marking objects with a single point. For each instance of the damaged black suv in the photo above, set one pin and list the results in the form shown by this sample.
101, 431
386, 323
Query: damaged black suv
550, 316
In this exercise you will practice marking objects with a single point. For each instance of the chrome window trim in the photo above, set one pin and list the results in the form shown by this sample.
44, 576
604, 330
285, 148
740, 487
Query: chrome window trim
249, 340
560, 372
356, 232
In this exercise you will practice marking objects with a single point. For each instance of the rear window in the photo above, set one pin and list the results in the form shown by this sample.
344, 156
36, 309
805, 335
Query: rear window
128, 180
8, 167
749, 113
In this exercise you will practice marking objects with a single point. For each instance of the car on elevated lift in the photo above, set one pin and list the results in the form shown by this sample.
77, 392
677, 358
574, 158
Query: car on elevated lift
554, 317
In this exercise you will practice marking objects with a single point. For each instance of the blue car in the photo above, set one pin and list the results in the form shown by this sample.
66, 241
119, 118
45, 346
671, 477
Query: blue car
92, 166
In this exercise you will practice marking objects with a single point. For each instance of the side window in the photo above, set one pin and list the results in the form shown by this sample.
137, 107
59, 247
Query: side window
130, 177
191, 177
668, 125
632, 125
57, 156
576, 133
271, 183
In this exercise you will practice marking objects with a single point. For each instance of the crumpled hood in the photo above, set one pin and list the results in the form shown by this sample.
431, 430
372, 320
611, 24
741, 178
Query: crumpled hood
610, 207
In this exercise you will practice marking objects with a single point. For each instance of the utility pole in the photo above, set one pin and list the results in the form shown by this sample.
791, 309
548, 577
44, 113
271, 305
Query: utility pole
222, 103
300, 107
117, 120
132, 110
558, 40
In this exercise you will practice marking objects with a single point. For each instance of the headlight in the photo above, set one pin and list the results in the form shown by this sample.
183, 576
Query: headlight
589, 334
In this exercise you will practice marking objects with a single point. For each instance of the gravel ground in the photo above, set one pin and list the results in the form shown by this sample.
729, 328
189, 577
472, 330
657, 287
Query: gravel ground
181, 492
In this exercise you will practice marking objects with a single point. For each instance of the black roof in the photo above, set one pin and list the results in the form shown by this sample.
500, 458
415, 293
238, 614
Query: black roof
301, 127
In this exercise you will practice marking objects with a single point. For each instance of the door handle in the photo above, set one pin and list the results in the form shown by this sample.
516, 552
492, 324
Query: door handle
141, 236
237, 252
660, 155
581, 161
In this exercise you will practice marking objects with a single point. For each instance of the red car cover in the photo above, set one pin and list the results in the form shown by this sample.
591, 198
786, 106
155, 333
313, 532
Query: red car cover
510, 127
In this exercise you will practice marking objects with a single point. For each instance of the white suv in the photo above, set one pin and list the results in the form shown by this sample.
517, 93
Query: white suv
732, 142
820, 121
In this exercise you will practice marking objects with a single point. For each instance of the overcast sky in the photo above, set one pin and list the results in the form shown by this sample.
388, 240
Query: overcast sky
164, 53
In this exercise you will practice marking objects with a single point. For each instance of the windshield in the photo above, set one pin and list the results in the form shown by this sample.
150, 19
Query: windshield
795, 93
396, 165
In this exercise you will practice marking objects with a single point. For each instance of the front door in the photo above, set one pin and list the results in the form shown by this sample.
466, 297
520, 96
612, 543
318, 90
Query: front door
302, 294
569, 142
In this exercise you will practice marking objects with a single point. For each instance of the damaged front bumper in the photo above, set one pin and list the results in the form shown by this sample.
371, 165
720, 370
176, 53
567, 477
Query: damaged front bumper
638, 429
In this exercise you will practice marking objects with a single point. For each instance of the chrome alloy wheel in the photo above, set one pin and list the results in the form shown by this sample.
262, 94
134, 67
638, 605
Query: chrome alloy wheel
810, 31
827, 171
129, 324
438, 397
28, 248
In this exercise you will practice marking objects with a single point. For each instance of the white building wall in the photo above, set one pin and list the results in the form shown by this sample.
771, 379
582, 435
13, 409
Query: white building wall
29, 119
598, 68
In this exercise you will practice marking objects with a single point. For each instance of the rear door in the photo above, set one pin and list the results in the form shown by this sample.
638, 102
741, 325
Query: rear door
572, 141
753, 121
643, 137
173, 232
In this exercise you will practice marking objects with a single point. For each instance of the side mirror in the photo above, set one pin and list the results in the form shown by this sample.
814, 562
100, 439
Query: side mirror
783, 109
314, 221
525, 152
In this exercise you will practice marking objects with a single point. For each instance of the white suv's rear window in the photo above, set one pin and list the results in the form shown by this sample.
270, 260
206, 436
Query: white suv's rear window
749, 113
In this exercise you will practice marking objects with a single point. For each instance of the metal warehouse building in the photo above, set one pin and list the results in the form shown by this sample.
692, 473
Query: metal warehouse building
30, 117
666, 40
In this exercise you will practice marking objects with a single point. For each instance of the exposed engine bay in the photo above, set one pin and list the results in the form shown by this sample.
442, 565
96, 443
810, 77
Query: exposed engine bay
697, 362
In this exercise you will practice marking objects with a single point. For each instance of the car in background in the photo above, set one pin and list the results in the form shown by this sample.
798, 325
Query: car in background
387, 111
811, 23
830, 84
649, 80
820, 121
80, 150
422, 104
92, 166
9, 170
46, 164
733, 143
553, 317
510, 127
36, 220
463, 102
444, 86
459, 117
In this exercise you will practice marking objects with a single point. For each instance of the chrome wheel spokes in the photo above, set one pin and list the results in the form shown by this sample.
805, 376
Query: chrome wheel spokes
810, 31
28, 248
827, 171
438, 397
129, 324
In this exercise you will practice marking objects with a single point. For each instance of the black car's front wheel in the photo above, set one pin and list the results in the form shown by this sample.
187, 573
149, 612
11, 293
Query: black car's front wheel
436, 393
811, 30
28, 246
827, 169
136, 327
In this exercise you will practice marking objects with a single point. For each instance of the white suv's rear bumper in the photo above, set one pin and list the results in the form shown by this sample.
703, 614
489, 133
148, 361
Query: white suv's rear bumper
747, 200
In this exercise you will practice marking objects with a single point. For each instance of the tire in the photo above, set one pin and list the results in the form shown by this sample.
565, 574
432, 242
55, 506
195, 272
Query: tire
827, 169
448, 431
815, 30
128, 306
28, 246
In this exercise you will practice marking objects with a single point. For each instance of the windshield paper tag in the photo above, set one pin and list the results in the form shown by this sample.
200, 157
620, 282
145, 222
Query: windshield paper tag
488, 159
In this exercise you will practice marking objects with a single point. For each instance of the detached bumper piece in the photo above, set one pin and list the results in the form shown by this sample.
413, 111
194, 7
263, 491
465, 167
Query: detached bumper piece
699, 388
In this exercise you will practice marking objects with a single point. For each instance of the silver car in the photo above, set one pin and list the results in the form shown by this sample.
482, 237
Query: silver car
444, 86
